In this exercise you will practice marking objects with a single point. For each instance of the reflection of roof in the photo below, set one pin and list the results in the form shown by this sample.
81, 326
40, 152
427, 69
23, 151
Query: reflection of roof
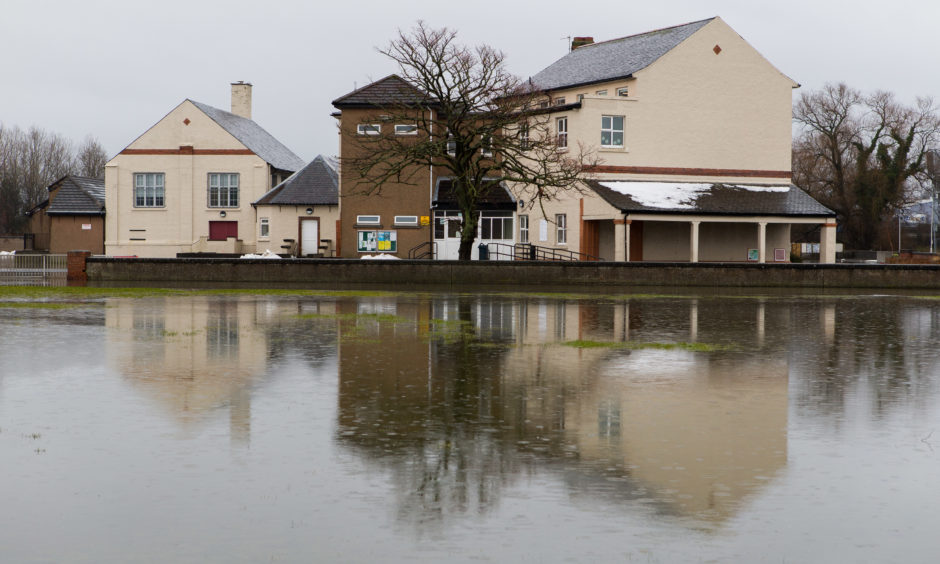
495, 197
391, 90
77, 195
610, 60
707, 198
252, 136
314, 184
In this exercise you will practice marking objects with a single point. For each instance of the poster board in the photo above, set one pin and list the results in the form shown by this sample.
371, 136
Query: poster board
377, 241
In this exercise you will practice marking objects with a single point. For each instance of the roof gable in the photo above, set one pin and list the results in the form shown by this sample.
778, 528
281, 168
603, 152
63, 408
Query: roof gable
253, 137
391, 90
314, 184
613, 59
77, 195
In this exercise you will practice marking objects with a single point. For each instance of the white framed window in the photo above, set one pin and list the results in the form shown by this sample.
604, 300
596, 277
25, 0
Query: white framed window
368, 129
451, 145
560, 101
406, 220
601, 92
523, 229
625, 91
561, 128
580, 97
496, 225
611, 131
264, 228
223, 190
368, 220
524, 136
149, 191
561, 229
406, 129
486, 146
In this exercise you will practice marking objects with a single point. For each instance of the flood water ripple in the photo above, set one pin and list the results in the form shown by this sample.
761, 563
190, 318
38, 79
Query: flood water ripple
471, 427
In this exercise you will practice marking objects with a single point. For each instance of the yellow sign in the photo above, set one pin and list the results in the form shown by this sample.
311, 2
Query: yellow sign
425, 220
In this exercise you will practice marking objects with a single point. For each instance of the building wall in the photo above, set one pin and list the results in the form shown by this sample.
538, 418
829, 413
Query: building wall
285, 224
172, 147
411, 198
68, 233
693, 109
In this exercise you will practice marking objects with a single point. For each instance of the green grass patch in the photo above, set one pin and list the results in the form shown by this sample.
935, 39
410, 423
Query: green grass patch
38, 305
89, 293
635, 345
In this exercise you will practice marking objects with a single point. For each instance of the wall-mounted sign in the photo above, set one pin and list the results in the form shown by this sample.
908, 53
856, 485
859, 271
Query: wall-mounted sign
425, 220
753, 255
381, 241
86, 227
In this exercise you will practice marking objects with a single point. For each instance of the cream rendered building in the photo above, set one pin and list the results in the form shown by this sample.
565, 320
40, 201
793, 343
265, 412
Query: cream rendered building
186, 185
693, 127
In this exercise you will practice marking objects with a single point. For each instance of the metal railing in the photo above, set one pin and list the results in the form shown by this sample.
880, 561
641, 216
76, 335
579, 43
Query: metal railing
31, 266
528, 251
426, 250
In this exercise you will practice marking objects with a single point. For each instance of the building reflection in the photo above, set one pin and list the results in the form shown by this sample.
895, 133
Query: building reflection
462, 396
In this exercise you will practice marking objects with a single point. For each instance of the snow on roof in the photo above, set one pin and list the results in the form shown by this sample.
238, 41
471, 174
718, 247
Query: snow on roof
676, 196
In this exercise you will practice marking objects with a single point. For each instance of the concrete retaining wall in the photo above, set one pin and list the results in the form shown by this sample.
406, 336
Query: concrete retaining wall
341, 272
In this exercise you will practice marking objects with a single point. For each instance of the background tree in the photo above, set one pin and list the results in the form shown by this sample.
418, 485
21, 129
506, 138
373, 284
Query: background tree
475, 121
30, 161
863, 156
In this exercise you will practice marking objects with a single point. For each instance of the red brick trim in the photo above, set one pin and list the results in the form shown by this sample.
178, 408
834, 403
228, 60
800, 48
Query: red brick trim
622, 221
782, 174
187, 151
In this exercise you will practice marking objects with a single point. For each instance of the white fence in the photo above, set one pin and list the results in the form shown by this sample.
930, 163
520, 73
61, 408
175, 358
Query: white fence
22, 266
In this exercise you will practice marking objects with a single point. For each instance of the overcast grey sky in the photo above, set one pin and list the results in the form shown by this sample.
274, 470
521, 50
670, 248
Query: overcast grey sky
113, 68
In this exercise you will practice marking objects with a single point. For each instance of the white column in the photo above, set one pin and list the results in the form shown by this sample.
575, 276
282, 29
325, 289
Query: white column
693, 242
827, 243
621, 244
761, 241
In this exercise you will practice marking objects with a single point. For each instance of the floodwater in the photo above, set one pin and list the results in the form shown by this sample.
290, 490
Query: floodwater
471, 428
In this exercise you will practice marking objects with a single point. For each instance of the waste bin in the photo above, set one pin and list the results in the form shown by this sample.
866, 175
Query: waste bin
484, 252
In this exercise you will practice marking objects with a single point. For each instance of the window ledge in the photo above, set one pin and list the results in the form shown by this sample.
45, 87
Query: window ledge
614, 150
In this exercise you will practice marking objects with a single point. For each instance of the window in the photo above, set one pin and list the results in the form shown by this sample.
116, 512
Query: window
611, 131
486, 146
406, 129
523, 229
148, 190
580, 98
623, 91
560, 101
368, 129
265, 228
368, 220
561, 229
410, 220
601, 92
496, 225
223, 190
524, 136
451, 145
561, 126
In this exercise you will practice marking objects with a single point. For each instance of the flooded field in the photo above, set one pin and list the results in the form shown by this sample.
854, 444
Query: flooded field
398, 427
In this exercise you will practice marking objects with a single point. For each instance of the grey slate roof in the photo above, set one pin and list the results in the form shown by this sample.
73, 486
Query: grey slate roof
77, 195
252, 136
718, 199
610, 60
316, 184
496, 198
389, 91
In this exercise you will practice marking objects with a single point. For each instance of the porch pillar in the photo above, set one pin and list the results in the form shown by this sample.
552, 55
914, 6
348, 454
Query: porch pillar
761, 242
827, 243
693, 242
621, 240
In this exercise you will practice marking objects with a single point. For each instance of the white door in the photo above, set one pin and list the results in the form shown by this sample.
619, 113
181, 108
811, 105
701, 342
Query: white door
447, 234
309, 236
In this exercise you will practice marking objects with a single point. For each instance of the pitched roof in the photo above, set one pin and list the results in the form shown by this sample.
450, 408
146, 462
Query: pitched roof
314, 184
708, 199
497, 197
252, 136
77, 195
391, 90
610, 60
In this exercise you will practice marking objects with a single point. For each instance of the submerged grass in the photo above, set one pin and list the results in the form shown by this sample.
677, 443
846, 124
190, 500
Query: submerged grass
89, 293
636, 345
380, 317
39, 305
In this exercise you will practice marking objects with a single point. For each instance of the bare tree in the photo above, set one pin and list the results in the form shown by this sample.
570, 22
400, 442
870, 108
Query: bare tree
91, 158
862, 156
473, 119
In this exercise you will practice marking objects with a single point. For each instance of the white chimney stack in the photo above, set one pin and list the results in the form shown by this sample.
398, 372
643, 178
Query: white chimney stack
241, 99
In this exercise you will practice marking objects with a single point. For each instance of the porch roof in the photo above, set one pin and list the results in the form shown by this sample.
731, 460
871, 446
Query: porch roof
696, 198
495, 197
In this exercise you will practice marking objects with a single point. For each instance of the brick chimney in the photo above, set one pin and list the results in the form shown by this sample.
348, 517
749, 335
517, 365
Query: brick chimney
581, 42
241, 99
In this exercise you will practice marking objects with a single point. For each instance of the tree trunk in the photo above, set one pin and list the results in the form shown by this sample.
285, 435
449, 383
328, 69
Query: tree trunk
468, 234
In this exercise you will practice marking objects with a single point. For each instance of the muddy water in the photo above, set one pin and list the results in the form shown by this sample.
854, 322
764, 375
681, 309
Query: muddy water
496, 428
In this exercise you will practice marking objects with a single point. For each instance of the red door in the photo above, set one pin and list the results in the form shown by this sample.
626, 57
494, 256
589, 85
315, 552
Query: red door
222, 230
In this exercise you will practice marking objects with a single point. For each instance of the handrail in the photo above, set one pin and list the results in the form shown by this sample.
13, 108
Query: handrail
528, 251
426, 249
